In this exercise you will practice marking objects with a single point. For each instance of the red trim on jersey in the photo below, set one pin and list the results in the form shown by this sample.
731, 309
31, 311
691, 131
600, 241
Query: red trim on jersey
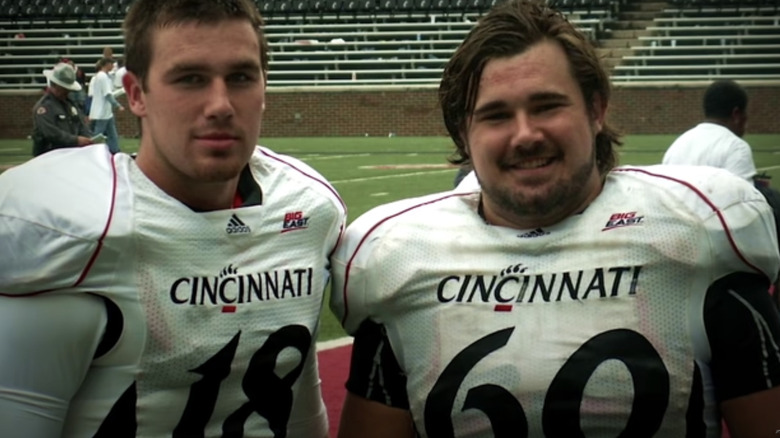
105, 229
712, 206
365, 236
238, 201
324, 183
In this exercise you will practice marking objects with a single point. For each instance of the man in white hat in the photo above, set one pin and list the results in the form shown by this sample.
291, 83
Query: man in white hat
57, 122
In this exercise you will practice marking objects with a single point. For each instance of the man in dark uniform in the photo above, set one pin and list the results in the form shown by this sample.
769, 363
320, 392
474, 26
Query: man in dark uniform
57, 121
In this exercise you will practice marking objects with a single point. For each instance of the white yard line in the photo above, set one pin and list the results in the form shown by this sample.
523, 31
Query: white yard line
331, 157
334, 343
768, 168
397, 175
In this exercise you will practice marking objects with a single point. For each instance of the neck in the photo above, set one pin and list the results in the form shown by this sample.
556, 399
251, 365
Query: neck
195, 194
724, 123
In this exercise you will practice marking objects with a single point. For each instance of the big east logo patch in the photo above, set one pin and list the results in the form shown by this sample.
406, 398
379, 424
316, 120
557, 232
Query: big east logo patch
618, 220
294, 221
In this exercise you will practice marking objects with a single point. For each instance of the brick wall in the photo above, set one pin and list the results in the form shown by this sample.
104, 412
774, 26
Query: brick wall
634, 110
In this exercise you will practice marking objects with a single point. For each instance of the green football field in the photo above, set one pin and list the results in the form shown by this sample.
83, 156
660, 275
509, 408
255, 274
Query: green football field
368, 171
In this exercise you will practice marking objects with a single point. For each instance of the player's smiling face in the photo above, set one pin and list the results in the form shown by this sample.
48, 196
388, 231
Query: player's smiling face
531, 139
202, 105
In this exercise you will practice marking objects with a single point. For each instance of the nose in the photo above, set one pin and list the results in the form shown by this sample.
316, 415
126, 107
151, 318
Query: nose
218, 102
526, 132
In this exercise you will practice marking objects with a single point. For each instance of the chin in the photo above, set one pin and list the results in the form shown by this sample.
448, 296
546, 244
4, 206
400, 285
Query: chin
219, 172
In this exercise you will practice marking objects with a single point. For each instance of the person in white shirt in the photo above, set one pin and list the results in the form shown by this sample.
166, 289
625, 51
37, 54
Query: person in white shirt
717, 141
119, 74
101, 111
176, 293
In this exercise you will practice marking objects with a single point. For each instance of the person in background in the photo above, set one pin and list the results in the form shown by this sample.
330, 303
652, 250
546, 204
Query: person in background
119, 89
717, 141
78, 97
563, 296
57, 121
108, 52
177, 293
101, 111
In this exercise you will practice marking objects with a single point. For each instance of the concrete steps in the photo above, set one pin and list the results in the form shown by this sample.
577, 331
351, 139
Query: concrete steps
622, 33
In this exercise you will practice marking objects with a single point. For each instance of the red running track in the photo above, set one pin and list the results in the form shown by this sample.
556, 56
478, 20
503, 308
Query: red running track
334, 368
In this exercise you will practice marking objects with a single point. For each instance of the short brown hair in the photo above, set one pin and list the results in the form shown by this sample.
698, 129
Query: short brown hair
102, 62
145, 16
509, 29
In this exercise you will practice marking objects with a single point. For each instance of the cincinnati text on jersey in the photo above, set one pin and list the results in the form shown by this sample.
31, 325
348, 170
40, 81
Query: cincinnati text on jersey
510, 287
233, 288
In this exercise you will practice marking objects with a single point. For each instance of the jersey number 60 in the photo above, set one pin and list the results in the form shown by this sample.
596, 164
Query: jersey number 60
561, 410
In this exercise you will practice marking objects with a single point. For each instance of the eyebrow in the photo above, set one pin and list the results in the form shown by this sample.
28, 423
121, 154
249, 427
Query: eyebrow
545, 96
197, 67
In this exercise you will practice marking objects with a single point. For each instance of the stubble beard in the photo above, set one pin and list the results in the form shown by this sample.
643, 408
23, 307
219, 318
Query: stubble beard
564, 194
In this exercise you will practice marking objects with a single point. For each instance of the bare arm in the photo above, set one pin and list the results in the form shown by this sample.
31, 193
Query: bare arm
363, 418
755, 415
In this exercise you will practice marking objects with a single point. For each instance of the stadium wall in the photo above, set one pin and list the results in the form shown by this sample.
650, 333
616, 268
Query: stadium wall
355, 111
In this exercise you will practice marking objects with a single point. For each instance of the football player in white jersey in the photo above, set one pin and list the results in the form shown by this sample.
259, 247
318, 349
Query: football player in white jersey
560, 296
178, 293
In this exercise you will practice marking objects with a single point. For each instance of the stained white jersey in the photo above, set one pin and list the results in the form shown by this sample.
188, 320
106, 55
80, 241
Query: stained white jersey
200, 323
591, 326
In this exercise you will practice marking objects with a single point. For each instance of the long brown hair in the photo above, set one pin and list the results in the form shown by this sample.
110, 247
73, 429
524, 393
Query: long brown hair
507, 30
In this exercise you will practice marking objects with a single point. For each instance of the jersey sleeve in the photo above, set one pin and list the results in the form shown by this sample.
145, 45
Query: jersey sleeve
49, 235
741, 227
351, 263
743, 328
47, 343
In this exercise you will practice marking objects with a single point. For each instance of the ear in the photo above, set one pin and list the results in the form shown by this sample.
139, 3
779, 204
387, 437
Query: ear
135, 94
737, 114
598, 111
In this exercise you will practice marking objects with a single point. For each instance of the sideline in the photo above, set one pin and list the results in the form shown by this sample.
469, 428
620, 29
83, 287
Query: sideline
334, 343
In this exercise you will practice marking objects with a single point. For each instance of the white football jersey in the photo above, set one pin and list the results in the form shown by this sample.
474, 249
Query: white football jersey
207, 321
591, 326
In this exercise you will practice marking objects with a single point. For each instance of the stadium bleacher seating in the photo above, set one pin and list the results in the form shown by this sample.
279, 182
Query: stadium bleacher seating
706, 39
312, 41
353, 42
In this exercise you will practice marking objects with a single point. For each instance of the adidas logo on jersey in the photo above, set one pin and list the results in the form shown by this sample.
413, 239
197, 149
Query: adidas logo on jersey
236, 226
